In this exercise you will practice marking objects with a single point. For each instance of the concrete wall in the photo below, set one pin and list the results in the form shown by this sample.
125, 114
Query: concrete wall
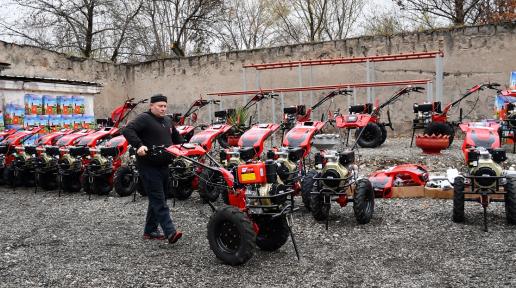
472, 55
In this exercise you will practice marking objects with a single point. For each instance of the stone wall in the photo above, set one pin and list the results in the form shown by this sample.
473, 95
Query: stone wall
472, 55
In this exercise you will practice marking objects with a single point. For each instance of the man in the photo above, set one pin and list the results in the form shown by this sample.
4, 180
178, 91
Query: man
154, 128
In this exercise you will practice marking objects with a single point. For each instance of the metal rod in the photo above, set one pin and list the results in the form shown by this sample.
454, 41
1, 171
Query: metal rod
439, 78
300, 80
347, 60
324, 87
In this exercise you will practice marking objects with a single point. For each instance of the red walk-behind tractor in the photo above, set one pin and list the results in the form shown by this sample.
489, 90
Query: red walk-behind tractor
187, 130
434, 120
336, 179
485, 175
27, 159
370, 131
258, 210
10, 147
74, 162
250, 147
507, 117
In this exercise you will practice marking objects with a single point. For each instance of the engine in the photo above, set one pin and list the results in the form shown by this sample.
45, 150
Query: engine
182, 169
287, 167
69, 163
425, 111
337, 168
484, 163
261, 188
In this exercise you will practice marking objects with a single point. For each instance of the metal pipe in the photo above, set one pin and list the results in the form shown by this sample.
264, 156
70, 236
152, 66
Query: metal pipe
347, 60
324, 87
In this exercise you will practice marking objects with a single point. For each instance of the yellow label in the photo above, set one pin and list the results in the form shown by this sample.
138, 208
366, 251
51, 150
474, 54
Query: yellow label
248, 177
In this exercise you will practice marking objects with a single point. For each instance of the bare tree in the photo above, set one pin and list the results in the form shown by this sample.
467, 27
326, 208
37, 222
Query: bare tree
246, 24
458, 12
88, 28
340, 17
171, 27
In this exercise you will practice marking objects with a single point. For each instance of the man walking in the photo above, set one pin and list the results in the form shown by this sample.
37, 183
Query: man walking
154, 128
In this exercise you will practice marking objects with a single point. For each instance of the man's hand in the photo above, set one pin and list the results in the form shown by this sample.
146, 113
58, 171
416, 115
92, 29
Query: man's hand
142, 151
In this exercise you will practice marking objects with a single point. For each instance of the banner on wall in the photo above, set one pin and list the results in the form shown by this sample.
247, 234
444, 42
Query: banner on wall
512, 82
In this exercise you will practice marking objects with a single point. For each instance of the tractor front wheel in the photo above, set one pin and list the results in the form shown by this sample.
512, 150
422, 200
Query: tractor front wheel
307, 186
231, 236
210, 185
320, 209
272, 234
510, 200
458, 200
183, 190
71, 182
47, 181
363, 201
369, 136
123, 182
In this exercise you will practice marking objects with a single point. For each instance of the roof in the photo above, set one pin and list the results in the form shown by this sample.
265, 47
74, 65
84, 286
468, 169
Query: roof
48, 80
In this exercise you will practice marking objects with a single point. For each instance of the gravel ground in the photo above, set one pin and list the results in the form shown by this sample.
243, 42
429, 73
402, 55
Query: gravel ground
46, 240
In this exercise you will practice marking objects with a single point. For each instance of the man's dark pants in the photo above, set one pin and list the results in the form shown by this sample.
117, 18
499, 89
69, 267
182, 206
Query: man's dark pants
155, 181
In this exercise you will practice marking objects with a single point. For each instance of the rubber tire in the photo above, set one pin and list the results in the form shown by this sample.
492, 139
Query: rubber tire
183, 191
510, 200
123, 181
363, 201
307, 186
2, 182
372, 129
71, 183
440, 128
243, 225
9, 179
458, 200
48, 181
86, 186
273, 233
208, 192
384, 134
101, 185
140, 188
320, 211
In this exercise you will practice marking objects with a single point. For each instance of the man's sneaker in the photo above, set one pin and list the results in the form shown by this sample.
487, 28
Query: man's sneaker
174, 237
156, 235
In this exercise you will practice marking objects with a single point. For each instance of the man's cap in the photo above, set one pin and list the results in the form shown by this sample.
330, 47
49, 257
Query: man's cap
158, 98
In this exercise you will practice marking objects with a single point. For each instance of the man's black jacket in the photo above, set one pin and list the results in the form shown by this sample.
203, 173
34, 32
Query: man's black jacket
149, 130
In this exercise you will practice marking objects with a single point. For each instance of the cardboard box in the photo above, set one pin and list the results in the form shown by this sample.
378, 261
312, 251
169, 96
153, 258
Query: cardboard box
438, 193
408, 192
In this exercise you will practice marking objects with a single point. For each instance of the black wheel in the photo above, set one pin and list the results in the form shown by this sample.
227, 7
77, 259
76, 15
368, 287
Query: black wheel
384, 134
102, 185
183, 190
9, 178
458, 200
123, 182
231, 236
2, 182
440, 128
272, 234
211, 185
85, 184
363, 201
510, 200
48, 181
307, 186
371, 137
140, 187
320, 209
72, 182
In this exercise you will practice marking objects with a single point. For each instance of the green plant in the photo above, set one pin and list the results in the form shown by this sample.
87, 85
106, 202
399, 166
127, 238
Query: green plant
239, 118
